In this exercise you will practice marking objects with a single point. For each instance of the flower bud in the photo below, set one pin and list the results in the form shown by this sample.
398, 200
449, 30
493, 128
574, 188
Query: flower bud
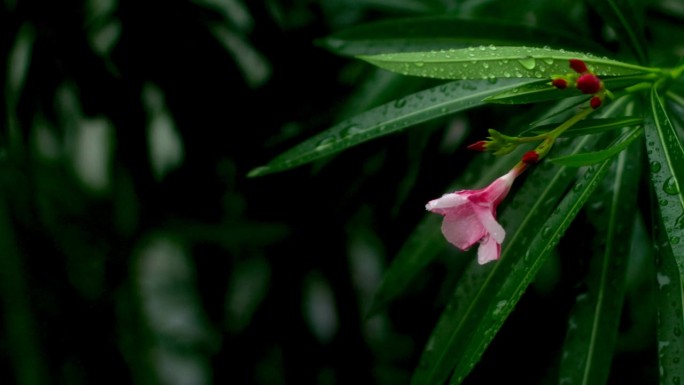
578, 65
559, 83
595, 102
589, 84
530, 157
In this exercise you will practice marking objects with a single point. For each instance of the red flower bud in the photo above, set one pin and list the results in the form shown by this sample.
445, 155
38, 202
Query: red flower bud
595, 102
589, 84
559, 83
478, 146
578, 66
530, 157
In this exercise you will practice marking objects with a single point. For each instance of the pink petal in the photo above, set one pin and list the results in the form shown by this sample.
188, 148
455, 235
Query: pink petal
488, 251
486, 217
447, 203
462, 227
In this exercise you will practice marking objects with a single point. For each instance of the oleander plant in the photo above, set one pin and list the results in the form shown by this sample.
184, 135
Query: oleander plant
580, 182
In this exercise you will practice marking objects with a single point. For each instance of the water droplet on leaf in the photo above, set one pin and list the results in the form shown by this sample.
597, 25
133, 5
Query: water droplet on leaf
528, 62
670, 186
655, 166
399, 103
325, 143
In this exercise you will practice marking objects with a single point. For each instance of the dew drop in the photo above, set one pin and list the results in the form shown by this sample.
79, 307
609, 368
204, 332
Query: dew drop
399, 103
419, 64
546, 233
528, 63
674, 240
471, 48
350, 131
516, 90
670, 186
492, 47
507, 74
485, 65
655, 166
325, 143
662, 202
548, 61
518, 74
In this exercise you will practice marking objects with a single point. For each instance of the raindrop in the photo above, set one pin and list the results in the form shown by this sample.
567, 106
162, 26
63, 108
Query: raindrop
485, 65
419, 64
546, 232
482, 48
325, 142
350, 131
507, 74
516, 90
491, 46
662, 202
674, 240
471, 49
528, 62
655, 166
518, 74
399, 103
670, 186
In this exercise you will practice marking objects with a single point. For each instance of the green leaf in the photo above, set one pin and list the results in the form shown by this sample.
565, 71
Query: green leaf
485, 295
592, 126
589, 158
595, 317
443, 32
666, 158
452, 342
542, 91
622, 16
496, 62
670, 302
388, 118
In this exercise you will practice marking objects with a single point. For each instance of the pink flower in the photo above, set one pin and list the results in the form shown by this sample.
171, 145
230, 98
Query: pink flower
470, 216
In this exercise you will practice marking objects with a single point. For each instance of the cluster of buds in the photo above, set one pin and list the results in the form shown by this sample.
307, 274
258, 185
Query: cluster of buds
584, 80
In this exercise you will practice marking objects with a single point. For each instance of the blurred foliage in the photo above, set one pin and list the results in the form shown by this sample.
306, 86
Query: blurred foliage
136, 250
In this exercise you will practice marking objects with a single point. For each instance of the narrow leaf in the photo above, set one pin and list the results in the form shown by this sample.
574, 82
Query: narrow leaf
543, 91
589, 158
496, 62
443, 32
485, 295
621, 15
595, 317
473, 301
593, 126
666, 158
388, 118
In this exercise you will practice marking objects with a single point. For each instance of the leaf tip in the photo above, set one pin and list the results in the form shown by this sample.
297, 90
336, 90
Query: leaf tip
259, 171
